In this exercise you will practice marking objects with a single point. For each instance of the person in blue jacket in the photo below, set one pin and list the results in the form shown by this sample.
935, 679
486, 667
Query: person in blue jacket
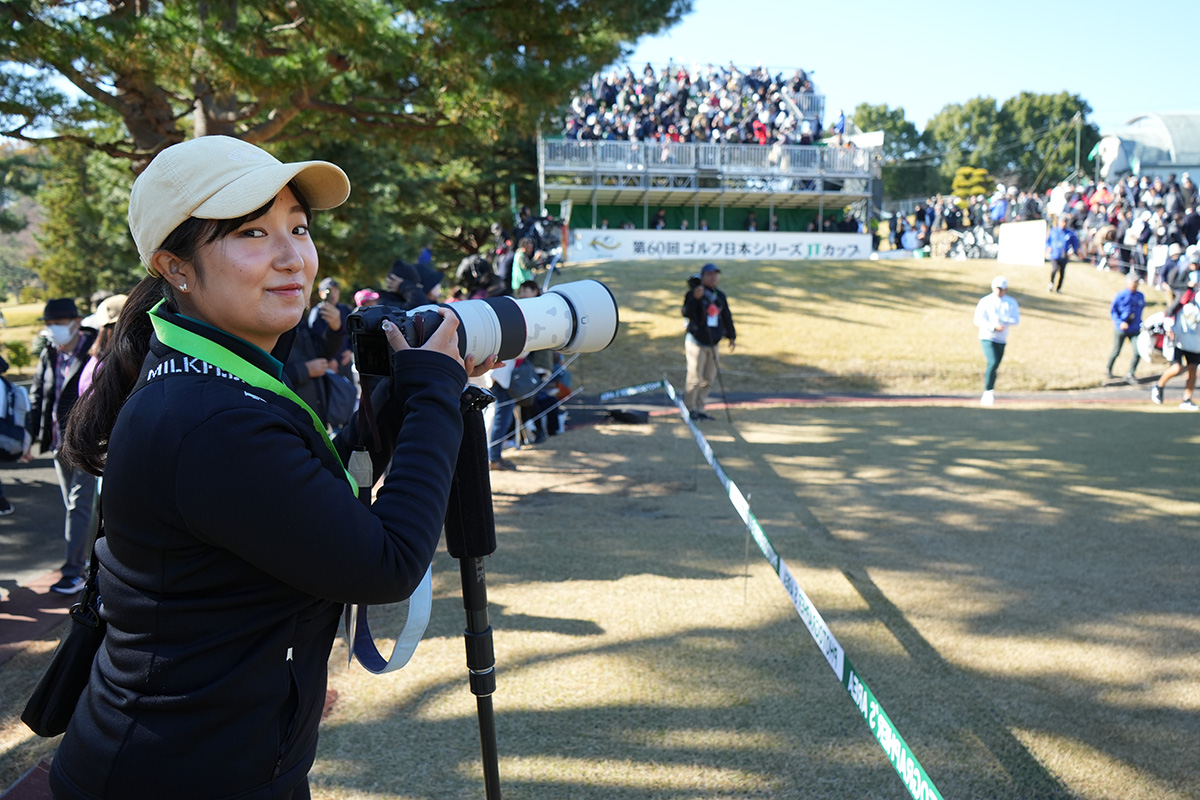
1126, 313
233, 536
1061, 241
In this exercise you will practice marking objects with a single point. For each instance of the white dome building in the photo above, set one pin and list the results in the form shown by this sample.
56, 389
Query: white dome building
1152, 144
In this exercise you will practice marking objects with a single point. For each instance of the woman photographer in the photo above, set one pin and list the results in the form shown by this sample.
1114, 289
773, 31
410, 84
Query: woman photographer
233, 535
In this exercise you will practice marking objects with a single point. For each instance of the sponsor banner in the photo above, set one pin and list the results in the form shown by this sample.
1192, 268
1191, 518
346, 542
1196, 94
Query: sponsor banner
913, 775
590, 244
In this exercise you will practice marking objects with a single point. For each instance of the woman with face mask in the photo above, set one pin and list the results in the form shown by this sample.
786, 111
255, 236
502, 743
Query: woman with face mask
52, 398
233, 536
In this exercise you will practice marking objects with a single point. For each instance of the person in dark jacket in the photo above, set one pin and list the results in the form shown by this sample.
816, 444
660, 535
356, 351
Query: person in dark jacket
233, 535
709, 321
312, 355
402, 287
322, 318
52, 397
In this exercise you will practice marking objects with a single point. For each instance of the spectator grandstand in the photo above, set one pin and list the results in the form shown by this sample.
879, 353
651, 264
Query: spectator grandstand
706, 148
697, 104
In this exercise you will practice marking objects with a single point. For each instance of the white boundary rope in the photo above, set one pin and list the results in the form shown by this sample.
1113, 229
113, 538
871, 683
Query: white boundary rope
916, 781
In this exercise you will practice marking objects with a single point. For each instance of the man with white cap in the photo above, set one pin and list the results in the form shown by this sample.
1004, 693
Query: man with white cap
994, 315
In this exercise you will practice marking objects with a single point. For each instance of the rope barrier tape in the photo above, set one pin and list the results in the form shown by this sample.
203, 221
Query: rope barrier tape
889, 739
632, 390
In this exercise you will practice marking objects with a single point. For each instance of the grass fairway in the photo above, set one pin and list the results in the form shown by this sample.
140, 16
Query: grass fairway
885, 326
1016, 589
1015, 584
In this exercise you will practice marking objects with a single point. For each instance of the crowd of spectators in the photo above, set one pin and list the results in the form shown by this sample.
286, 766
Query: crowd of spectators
1126, 222
696, 104
1120, 224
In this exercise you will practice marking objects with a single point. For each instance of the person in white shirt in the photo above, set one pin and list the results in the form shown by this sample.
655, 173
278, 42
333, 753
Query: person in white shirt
994, 315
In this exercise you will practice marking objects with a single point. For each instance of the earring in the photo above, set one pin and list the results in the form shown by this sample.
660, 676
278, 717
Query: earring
183, 287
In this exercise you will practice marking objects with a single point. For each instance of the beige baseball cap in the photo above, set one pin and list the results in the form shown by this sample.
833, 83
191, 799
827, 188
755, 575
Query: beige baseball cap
219, 177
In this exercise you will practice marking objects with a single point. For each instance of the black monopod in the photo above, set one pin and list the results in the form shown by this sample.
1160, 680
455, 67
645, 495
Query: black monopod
471, 535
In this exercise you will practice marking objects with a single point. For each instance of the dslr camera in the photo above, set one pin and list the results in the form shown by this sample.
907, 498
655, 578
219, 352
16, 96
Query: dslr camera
576, 317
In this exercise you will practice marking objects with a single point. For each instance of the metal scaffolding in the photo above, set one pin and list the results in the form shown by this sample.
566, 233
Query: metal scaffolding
710, 176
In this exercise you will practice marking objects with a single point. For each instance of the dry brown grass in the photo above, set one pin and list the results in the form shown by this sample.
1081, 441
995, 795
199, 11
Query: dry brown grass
1015, 584
1017, 598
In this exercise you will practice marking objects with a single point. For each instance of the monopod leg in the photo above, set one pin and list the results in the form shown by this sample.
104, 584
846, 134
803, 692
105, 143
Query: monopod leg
721, 383
481, 662
471, 535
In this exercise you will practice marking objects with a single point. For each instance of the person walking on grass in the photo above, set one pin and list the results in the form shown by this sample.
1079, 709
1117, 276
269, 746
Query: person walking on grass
994, 315
1061, 241
1182, 323
1126, 313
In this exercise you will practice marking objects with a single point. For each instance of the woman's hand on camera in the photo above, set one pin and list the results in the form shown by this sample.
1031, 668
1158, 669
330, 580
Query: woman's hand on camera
444, 340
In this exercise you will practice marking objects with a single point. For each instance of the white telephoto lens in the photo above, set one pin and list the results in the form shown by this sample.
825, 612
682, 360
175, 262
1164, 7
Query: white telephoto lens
577, 317
549, 322
595, 311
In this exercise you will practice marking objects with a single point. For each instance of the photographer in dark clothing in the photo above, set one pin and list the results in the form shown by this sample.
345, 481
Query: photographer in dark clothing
233, 534
709, 321
402, 287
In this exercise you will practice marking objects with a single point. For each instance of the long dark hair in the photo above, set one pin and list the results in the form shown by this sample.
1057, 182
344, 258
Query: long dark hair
85, 440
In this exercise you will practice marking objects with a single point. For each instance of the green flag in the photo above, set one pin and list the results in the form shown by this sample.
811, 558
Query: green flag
1095, 151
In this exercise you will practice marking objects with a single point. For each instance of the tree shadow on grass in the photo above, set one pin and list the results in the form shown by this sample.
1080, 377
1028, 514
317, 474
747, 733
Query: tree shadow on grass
975, 540
1067, 530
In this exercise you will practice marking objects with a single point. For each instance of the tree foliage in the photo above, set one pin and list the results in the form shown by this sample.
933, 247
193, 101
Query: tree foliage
1028, 140
435, 99
85, 244
1047, 158
970, 181
906, 168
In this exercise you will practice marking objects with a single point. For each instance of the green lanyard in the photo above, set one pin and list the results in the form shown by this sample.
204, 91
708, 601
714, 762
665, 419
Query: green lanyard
191, 344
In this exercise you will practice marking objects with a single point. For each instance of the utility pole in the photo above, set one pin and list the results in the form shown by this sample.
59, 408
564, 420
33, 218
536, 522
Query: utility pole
1078, 134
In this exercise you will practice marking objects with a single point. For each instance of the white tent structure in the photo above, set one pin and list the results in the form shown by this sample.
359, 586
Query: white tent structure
1152, 144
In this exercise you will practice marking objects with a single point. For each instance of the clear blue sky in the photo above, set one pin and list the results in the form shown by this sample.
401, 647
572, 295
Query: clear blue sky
924, 55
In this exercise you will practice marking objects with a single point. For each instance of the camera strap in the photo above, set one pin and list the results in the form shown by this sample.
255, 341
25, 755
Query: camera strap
192, 344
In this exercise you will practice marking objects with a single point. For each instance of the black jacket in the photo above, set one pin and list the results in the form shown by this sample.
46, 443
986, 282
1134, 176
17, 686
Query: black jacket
40, 420
696, 312
312, 343
233, 539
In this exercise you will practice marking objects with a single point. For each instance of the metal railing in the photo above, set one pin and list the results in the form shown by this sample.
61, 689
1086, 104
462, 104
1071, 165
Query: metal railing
569, 155
810, 105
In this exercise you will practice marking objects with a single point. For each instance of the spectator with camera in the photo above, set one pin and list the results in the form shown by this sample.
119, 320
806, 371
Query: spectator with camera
321, 320
709, 320
232, 530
